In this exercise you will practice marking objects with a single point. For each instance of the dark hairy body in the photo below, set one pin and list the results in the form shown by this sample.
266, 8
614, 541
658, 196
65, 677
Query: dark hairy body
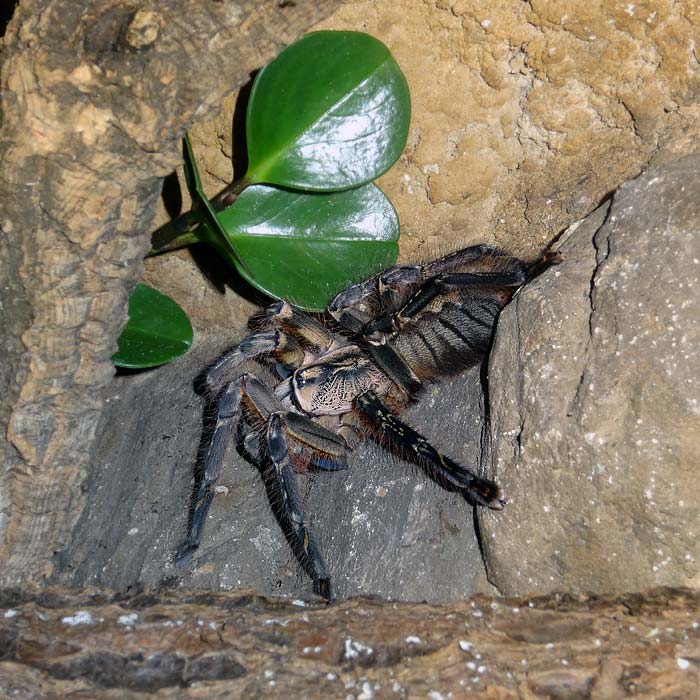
301, 391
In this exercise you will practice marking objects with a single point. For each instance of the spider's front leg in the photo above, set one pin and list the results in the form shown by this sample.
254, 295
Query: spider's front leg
477, 491
280, 434
283, 332
227, 419
277, 442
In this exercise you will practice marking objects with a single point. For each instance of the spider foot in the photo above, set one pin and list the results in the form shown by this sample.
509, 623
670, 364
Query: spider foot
544, 263
482, 492
322, 587
183, 555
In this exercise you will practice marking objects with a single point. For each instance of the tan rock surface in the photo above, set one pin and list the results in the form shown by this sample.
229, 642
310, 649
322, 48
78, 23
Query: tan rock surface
525, 115
98, 645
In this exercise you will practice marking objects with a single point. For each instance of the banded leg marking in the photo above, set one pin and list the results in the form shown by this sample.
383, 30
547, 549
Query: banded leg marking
283, 486
477, 490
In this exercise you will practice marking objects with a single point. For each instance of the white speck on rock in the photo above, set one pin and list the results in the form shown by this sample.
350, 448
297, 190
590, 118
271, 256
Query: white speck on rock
129, 619
464, 645
133, 531
354, 649
82, 617
683, 664
367, 692
412, 639
10, 613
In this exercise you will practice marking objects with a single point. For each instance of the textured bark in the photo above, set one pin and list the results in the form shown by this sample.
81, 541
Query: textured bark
98, 645
95, 98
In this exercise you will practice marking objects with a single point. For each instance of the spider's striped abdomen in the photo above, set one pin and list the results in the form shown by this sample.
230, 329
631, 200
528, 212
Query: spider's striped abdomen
450, 338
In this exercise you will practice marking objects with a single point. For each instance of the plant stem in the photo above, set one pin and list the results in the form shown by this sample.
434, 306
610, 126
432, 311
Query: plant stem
184, 230
176, 243
176, 234
228, 196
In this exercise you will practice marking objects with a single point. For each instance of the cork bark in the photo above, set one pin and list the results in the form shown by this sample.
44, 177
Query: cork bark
177, 644
96, 95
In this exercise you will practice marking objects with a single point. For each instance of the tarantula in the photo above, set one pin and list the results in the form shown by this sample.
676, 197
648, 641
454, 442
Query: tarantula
332, 381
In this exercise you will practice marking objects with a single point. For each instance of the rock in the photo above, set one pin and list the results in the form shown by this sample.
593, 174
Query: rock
62, 643
593, 388
384, 528
524, 114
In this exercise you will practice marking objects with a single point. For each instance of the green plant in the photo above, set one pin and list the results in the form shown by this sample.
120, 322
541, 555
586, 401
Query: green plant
157, 330
325, 118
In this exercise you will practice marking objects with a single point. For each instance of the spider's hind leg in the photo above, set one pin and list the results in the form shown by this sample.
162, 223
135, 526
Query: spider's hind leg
476, 490
282, 482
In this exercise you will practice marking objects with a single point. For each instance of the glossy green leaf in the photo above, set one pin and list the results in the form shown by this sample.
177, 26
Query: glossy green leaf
306, 247
330, 112
192, 179
210, 230
157, 331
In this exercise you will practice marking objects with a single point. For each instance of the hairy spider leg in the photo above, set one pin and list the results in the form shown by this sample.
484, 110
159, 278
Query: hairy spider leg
248, 403
546, 261
324, 449
227, 367
291, 516
227, 419
477, 491
394, 366
472, 259
283, 332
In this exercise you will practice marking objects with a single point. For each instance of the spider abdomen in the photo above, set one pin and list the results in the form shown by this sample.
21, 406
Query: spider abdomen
450, 339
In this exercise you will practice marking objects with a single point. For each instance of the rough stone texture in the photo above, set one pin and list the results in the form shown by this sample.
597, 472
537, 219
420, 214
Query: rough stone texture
593, 386
525, 114
384, 528
65, 645
96, 95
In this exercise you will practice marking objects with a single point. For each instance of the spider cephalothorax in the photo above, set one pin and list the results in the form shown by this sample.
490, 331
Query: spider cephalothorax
325, 383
